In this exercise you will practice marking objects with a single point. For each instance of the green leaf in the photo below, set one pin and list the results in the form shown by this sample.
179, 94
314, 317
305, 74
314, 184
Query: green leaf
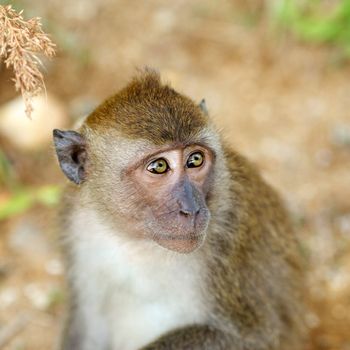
49, 195
24, 199
17, 204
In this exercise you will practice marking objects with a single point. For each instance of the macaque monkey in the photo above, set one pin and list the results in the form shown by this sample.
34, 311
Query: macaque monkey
171, 239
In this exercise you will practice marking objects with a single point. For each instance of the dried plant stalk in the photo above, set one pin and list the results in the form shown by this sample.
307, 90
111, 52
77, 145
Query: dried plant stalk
20, 42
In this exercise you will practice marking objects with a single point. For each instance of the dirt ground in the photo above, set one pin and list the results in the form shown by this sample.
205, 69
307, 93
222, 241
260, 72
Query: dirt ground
283, 104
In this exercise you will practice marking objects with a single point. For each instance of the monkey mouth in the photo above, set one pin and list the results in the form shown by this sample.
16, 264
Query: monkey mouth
180, 243
183, 237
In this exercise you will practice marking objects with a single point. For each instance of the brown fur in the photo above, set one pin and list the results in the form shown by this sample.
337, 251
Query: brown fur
254, 280
149, 110
256, 272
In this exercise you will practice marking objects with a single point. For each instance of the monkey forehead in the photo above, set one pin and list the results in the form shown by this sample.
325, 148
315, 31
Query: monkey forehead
148, 109
116, 149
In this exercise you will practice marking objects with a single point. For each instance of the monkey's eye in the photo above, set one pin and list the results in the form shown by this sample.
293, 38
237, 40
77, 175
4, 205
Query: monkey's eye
158, 166
195, 160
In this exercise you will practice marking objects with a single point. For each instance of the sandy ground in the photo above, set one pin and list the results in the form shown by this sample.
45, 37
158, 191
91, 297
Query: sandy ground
285, 105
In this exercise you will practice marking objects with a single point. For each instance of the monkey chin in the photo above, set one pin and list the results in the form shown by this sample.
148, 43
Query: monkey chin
180, 234
184, 244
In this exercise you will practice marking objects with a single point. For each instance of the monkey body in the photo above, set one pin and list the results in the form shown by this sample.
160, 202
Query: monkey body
132, 293
187, 248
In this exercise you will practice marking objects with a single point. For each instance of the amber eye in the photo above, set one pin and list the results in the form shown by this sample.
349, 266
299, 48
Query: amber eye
195, 160
158, 166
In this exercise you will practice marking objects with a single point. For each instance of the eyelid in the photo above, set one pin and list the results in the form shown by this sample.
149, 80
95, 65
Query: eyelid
202, 148
206, 149
196, 151
152, 160
146, 162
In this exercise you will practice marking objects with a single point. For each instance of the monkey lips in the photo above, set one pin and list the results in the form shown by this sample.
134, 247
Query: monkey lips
181, 233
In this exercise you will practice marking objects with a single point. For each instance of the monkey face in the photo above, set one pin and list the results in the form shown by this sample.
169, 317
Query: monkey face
174, 185
145, 160
146, 191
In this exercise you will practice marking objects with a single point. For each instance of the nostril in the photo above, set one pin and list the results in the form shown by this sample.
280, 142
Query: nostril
189, 212
188, 207
185, 212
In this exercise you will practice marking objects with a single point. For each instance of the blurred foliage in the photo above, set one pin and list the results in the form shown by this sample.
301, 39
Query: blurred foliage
317, 21
17, 4
67, 41
23, 199
7, 176
17, 197
55, 299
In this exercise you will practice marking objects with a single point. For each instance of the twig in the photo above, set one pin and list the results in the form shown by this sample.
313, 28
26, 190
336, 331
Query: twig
20, 42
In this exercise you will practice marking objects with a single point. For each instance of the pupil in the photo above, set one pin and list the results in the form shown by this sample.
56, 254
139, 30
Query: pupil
160, 166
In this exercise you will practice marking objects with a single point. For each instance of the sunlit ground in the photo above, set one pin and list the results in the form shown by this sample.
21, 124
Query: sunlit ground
283, 104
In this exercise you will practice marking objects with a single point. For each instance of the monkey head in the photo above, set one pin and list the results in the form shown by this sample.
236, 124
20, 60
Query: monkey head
146, 160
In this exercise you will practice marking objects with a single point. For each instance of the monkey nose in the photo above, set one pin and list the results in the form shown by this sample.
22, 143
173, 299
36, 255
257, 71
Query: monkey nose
189, 211
188, 203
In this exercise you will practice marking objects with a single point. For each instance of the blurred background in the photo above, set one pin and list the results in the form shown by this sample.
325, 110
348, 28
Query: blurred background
275, 75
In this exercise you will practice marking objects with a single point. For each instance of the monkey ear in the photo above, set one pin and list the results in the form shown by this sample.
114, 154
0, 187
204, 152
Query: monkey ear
203, 107
71, 153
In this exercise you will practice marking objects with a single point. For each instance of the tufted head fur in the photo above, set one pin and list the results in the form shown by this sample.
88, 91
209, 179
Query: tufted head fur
150, 110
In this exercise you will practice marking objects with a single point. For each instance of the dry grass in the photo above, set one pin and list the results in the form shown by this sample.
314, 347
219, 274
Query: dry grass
20, 43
